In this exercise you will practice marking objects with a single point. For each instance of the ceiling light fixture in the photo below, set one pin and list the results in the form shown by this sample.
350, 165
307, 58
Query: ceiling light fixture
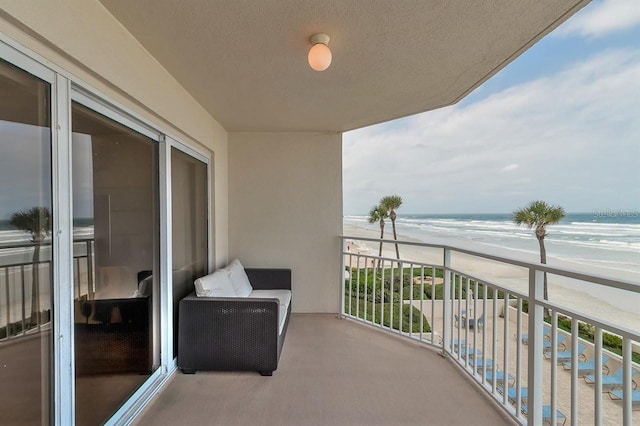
319, 55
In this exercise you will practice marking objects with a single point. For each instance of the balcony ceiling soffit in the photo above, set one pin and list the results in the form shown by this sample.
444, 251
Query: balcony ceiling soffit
245, 61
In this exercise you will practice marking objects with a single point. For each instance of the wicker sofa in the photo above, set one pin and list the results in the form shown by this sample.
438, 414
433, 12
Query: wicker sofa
236, 333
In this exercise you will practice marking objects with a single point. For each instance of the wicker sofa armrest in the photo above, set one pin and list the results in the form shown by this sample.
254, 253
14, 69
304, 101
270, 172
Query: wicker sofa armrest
228, 334
269, 279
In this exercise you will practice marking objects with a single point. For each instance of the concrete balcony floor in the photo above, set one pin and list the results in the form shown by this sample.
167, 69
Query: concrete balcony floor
331, 372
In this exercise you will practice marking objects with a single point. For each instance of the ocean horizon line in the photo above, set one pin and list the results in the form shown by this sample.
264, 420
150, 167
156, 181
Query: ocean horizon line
596, 212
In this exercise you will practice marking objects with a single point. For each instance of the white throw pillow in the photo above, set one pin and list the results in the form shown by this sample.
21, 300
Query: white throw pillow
144, 287
217, 284
239, 278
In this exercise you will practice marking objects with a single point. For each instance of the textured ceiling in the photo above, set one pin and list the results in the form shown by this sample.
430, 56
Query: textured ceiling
245, 60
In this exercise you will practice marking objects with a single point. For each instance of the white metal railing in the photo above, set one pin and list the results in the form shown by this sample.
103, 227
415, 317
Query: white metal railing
539, 369
25, 305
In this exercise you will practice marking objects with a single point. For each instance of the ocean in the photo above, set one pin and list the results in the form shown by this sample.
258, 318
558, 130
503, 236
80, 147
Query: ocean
15, 245
608, 239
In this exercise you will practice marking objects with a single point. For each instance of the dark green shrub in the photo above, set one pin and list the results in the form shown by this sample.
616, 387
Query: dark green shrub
384, 311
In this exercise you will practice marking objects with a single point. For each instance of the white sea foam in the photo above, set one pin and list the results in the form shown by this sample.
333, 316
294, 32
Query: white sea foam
610, 244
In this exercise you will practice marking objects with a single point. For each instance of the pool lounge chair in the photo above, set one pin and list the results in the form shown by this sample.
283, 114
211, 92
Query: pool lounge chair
546, 414
546, 345
499, 377
511, 393
547, 335
611, 380
469, 352
616, 394
566, 355
473, 322
457, 343
479, 363
588, 367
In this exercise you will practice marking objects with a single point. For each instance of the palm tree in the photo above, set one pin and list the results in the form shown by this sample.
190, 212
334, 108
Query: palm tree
391, 203
379, 214
37, 222
538, 215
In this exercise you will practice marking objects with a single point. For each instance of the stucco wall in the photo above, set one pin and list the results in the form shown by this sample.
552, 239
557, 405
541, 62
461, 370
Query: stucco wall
82, 39
285, 210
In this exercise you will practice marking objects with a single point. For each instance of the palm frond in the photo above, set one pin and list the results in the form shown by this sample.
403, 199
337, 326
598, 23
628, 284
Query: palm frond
538, 214
391, 202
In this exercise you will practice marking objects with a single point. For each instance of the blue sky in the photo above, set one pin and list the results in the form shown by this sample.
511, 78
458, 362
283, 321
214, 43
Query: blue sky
561, 123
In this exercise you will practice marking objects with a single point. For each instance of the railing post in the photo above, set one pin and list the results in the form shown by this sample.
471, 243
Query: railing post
536, 326
342, 275
90, 286
446, 300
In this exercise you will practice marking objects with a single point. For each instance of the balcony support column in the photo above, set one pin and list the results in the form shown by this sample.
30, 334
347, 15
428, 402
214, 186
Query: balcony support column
446, 300
536, 327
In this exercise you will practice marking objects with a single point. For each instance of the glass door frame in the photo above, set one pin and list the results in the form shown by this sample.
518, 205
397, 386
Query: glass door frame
166, 220
61, 405
65, 88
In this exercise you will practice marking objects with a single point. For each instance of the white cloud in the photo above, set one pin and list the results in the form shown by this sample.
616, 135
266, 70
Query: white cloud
603, 18
510, 167
574, 136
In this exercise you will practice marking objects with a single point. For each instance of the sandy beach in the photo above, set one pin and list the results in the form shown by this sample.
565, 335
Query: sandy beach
616, 306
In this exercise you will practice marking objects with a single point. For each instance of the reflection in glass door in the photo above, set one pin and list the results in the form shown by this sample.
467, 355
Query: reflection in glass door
25, 249
189, 228
116, 233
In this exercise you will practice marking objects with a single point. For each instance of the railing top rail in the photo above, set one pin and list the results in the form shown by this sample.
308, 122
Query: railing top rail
47, 242
628, 285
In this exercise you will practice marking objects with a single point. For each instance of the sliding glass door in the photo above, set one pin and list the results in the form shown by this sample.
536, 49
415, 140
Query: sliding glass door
26, 255
83, 251
189, 200
116, 262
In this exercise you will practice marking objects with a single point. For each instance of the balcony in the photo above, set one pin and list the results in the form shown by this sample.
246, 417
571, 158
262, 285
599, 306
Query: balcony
332, 372
437, 367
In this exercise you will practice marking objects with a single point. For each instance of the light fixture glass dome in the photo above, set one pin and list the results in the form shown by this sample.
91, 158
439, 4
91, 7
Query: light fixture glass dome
319, 55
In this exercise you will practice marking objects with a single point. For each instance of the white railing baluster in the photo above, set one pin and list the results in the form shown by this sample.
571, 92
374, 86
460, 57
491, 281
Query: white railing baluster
373, 293
77, 275
554, 366
475, 324
411, 301
574, 371
433, 303
494, 343
505, 337
466, 315
358, 259
91, 284
519, 356
626, 382
446, 301
422, 307
366, 285
350, 283
391, 295
7, 294
535, 330
484, 335
23, 304
597, 393
401, 304
382, 294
